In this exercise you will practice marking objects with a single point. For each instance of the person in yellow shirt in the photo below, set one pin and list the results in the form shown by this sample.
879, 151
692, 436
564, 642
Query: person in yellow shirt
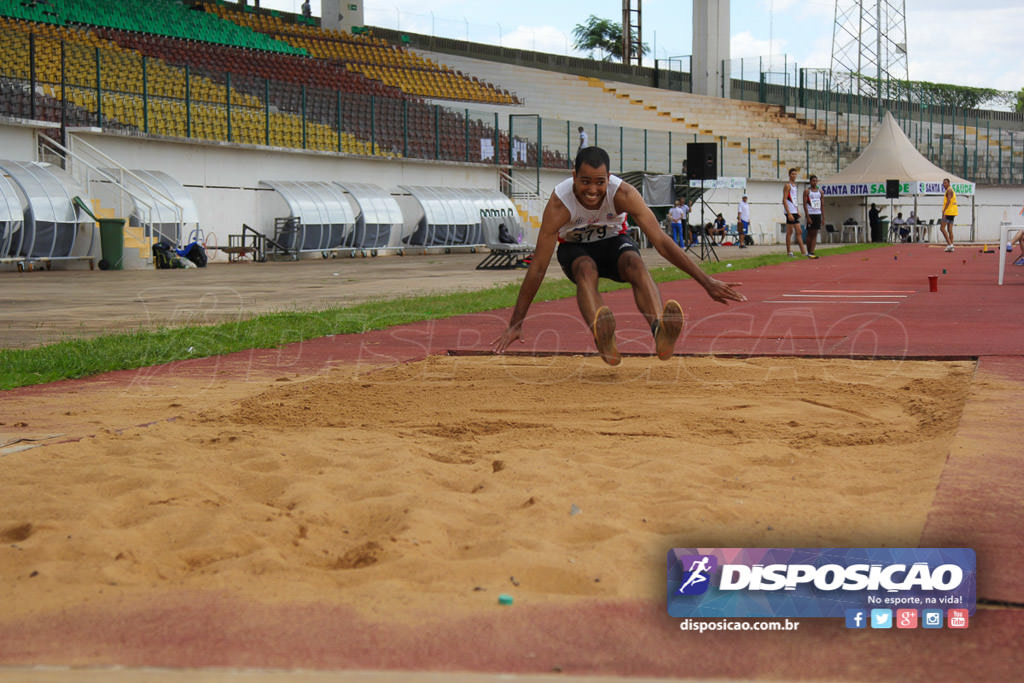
949, 213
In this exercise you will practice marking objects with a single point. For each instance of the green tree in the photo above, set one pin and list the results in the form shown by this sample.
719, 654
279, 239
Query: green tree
603, 36
964, 96
1019, 105
941, 94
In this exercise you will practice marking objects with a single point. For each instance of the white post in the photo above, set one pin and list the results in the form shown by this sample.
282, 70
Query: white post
710, 47
340, 15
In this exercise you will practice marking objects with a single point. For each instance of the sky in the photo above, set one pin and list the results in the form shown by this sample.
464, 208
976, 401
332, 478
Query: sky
975, 43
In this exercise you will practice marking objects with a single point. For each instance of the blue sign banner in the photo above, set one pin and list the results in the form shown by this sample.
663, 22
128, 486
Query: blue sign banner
817, 582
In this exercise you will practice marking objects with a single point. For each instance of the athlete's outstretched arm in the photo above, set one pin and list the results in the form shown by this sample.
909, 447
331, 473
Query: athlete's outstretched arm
629, 200
555, 216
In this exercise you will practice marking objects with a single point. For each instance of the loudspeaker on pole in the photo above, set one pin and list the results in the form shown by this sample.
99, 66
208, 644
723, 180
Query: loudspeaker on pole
892, 189
702, 160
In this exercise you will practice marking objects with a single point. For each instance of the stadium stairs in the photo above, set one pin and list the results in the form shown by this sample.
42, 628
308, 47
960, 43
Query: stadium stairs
581, 100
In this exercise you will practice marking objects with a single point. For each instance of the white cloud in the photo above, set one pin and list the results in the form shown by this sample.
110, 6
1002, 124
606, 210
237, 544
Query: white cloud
744, 44
984, 51
778, 5
540, 38
819, 52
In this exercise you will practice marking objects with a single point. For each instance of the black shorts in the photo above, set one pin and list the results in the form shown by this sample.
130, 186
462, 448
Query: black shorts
604, 252
814, 221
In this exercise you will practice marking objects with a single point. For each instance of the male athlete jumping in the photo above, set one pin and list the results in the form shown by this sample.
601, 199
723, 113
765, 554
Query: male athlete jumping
585, 218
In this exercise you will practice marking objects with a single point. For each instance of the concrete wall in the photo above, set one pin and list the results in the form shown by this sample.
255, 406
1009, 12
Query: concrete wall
18, 139
223, 179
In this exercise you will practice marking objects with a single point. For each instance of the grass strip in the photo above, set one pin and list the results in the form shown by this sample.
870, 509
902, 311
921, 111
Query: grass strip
74, 358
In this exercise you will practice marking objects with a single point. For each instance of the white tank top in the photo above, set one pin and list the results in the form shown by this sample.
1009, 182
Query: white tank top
814, 202
791, 199
590, 225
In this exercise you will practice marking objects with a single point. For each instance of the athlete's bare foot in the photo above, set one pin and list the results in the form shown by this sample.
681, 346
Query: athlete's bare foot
669, 327
604, 336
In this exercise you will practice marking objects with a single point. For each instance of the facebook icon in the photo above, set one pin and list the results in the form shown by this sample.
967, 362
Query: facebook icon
856, 618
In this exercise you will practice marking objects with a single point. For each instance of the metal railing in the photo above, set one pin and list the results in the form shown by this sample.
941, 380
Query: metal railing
128, 93
87, 171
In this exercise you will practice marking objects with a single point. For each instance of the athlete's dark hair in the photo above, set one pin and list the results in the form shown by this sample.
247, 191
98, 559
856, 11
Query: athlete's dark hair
595, 157
791, 170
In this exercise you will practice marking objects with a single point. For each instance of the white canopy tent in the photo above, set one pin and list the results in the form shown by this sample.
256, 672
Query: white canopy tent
892, 156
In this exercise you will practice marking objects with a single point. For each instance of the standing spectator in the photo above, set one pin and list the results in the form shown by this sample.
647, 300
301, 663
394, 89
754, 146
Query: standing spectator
688, 236
306, 10
675, 218
584, 140
789, 198
814, 213
743, 222
949, 213
874, 220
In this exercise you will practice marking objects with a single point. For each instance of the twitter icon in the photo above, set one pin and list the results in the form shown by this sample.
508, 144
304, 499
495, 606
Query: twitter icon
881, 618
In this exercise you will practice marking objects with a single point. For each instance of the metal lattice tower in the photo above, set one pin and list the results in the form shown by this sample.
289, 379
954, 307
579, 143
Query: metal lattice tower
869, 47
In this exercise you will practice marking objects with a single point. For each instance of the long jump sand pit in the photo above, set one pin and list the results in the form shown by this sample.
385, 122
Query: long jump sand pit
410, 493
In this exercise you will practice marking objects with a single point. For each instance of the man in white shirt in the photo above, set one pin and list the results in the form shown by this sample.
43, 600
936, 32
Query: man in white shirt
792, 213
899, 227
814, 212
675, 222
743, 222
585, 219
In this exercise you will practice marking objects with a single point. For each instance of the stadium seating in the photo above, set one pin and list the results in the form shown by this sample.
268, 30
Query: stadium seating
360, 95
162, 17
389, 64
122, 105
153, 82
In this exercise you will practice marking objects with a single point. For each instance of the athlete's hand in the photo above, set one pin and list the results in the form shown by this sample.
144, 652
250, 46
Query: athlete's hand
723, 292
511, 333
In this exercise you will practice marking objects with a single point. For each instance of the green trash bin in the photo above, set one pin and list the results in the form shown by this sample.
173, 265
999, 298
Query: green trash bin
880, 233
111, 238
112, 243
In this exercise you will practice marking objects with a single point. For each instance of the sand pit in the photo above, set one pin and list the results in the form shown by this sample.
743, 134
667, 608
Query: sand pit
438, 485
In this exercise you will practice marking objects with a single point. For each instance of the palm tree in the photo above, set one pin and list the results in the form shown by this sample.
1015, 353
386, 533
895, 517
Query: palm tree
603, 36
